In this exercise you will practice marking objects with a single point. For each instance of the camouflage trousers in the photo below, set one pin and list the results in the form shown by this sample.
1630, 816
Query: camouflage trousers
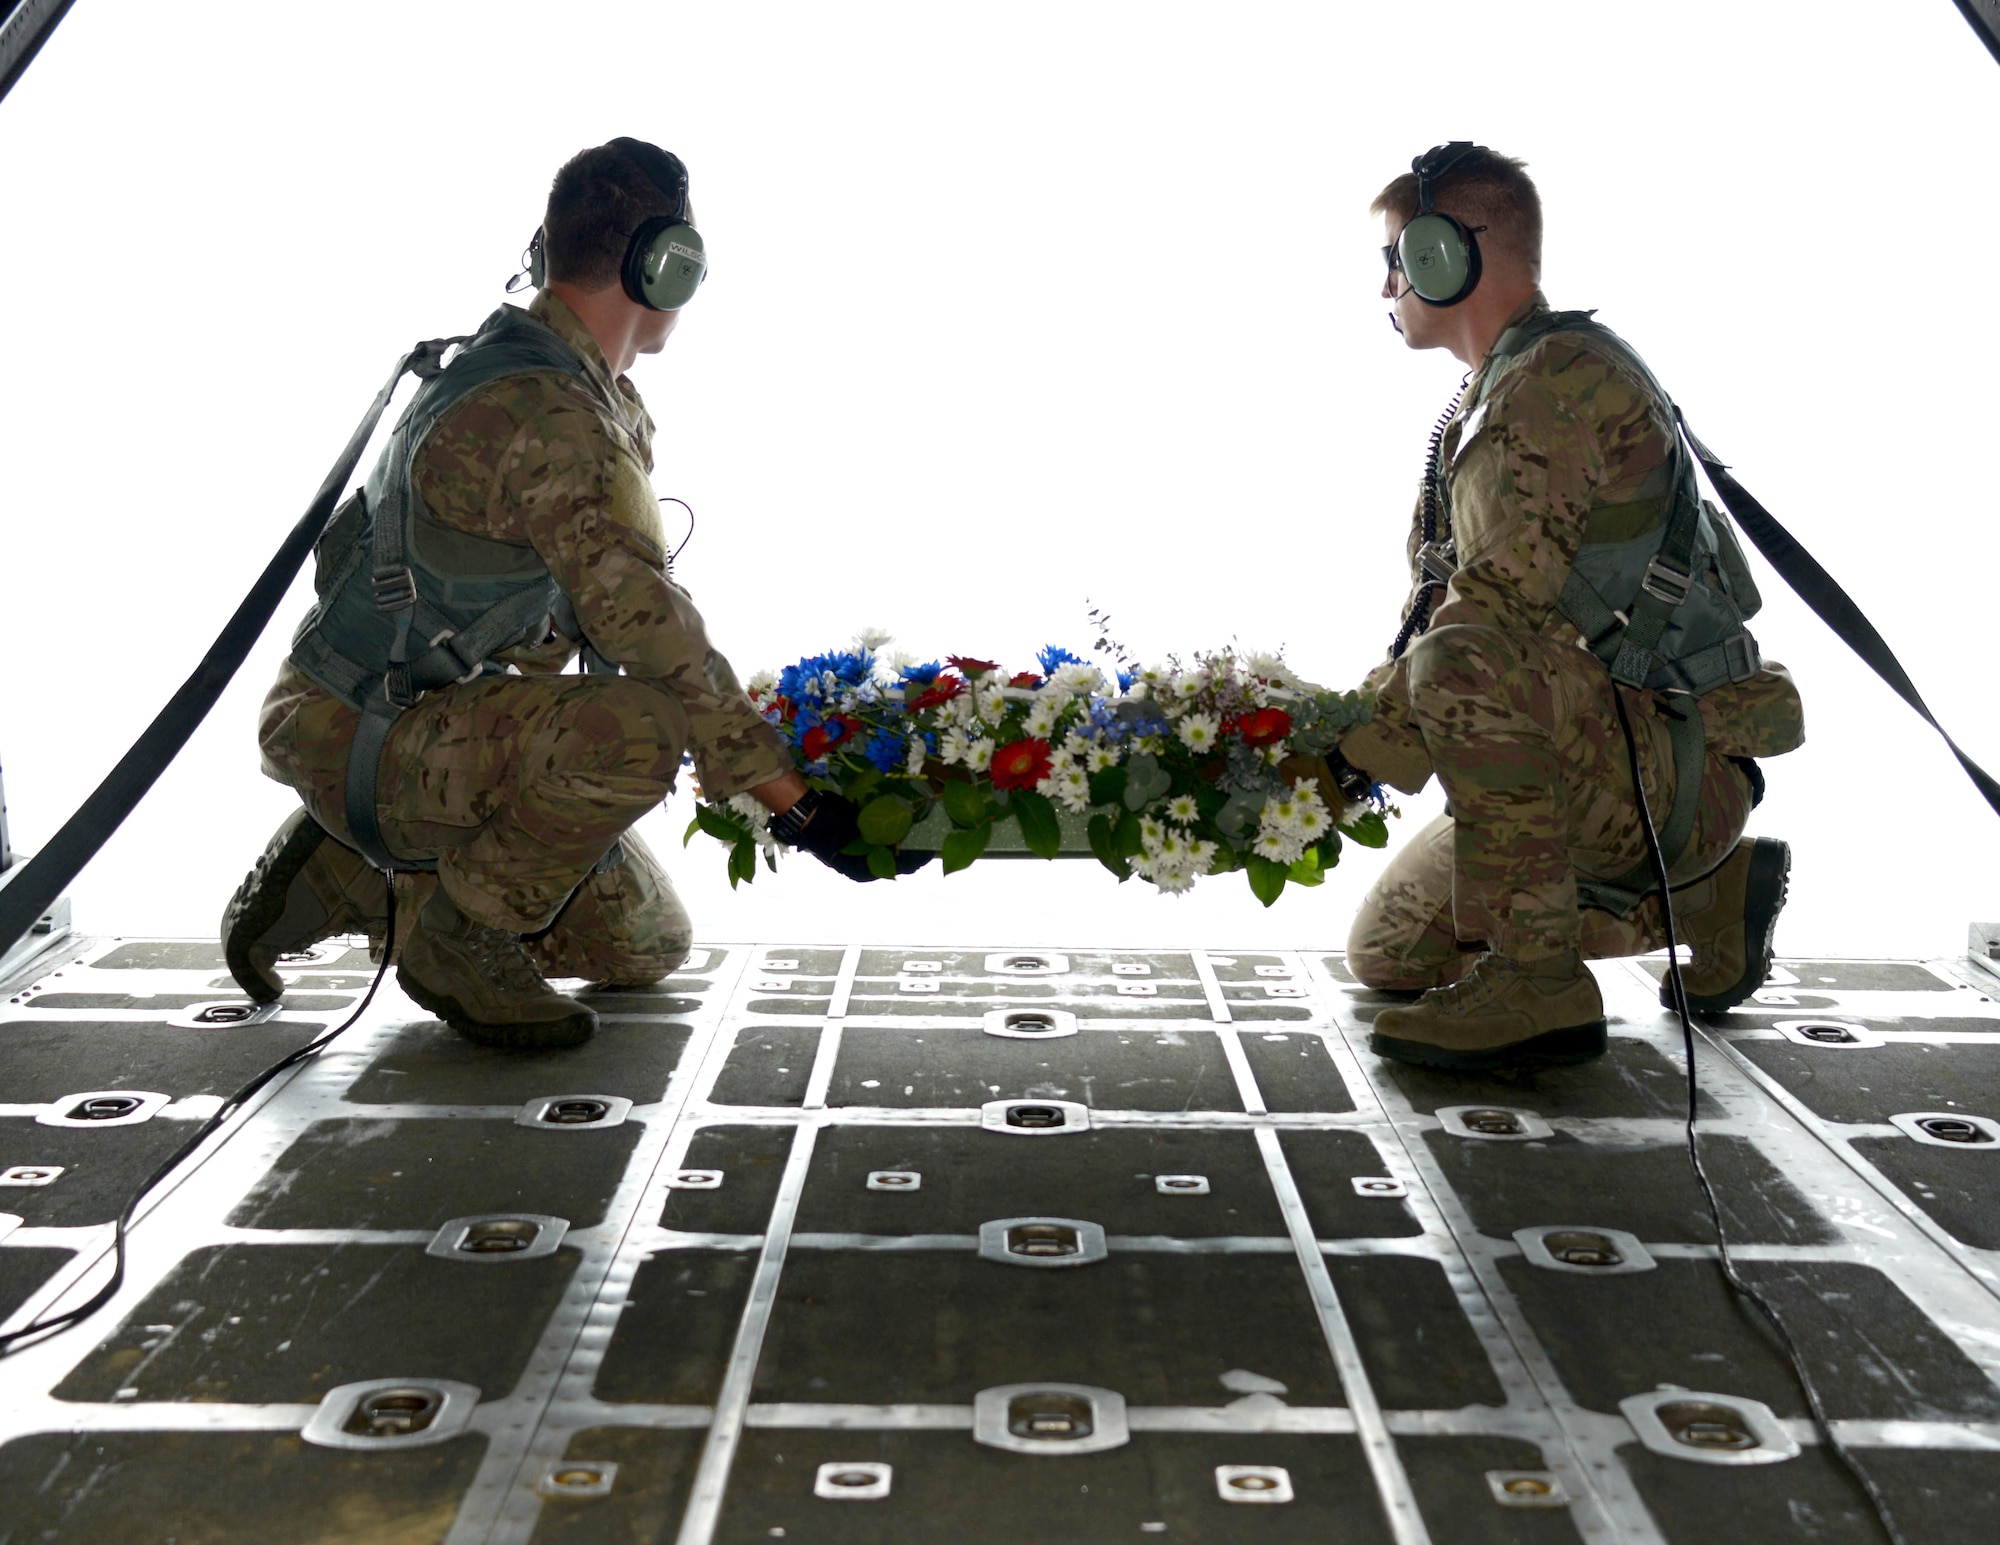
517, 786
1523, 733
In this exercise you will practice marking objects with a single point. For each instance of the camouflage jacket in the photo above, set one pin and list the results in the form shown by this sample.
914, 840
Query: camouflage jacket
550, 462
1562, 428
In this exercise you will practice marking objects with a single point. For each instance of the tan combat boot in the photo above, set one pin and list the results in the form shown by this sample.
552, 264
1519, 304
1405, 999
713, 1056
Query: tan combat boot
1727, 919
482, 982
1502, 1013
304, 887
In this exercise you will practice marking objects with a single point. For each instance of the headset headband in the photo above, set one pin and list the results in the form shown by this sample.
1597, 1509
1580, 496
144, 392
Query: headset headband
1433, 164
662, 168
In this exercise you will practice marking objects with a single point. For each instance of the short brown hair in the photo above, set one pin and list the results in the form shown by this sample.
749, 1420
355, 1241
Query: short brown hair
599, 198
1481, 188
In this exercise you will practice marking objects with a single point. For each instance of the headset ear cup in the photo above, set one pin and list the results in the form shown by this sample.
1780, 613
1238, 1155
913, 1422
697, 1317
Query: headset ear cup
665, 263
538, 263
1439, 258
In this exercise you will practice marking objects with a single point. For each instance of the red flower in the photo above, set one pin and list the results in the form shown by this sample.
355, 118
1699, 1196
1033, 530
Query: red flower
1265, 727
971, 667
1021, 765
940, 691
835, 731
1025, 679
787, 709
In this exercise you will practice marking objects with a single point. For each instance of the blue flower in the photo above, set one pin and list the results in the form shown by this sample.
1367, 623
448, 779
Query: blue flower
887, 750
1125, 680
1052, 658
922, 675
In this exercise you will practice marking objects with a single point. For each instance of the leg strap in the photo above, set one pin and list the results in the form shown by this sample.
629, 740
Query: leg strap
1690, 743
364, 770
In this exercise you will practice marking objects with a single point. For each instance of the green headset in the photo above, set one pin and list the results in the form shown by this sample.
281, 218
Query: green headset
664, 262
1438, 256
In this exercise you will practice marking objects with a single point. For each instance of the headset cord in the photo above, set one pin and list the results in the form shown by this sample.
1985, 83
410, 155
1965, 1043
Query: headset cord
1743, 1289
41, 1329
1420, 608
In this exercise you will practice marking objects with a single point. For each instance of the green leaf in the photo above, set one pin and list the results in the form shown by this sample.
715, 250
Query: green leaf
1039, 827
965, 804
1225, 860
1105, 845
693, 827
1369, 829
1107, 787
1329, 850
720, 825
864, 783
742, 862
1267, 878
1145, 780
963, 846
881, 863
1125, 837
1306, 871
885, 820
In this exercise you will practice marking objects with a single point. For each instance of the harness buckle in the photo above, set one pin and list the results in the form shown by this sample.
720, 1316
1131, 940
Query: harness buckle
395, 590
1741, 657
1666, 584
1435, 559
478, 666
397, 688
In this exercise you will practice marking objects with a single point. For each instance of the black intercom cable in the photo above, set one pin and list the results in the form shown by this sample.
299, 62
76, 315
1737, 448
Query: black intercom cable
1744, 1290
40, 1329
1420, 608
670, 499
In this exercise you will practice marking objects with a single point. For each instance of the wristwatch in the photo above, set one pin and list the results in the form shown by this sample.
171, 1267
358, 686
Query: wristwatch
791, 825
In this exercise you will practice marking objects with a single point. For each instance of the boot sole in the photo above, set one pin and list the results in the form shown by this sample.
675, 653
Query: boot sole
1579, 1043
542, 1035
248, 918
1764, 896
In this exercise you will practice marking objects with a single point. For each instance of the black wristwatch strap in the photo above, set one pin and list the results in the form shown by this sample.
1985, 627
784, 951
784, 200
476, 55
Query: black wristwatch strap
1355, 784
790, 826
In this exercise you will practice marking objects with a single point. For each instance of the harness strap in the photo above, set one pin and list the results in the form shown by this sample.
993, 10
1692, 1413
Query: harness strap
364, 771
1690, 742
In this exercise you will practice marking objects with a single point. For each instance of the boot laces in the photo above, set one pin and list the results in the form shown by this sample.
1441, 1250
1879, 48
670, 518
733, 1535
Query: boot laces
500, 957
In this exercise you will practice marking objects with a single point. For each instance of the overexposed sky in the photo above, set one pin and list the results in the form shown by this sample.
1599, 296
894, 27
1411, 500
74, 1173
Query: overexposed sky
1013, 309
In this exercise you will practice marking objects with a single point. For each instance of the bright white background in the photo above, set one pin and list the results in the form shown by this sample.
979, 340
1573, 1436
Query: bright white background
1012, 306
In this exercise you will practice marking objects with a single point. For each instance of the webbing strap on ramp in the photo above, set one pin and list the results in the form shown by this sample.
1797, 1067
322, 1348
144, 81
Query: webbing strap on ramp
1831, 604
43, 878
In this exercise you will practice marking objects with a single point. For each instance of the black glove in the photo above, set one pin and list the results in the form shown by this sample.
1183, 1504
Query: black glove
1353, 783
823, 824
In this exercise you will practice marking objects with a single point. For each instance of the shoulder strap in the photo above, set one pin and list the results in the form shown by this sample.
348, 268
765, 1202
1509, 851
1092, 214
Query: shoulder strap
508, 343
1831, 604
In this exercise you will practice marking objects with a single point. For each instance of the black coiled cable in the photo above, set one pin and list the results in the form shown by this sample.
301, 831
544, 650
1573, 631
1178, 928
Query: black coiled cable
40, 1329
1420, 609
1745, 1291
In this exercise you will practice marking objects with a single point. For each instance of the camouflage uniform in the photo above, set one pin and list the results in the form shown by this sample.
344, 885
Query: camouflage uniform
1499, 699
519, 784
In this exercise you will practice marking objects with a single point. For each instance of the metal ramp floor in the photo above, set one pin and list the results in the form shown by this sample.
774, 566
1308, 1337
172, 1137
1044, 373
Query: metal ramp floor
830, 1244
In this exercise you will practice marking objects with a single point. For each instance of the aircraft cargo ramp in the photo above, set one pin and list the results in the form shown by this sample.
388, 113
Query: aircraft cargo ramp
967, 1244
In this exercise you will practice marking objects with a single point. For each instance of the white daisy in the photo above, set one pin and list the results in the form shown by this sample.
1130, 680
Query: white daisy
1182, 808
872, 638
1198, 731
919, 753
979, 755
1102, 757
